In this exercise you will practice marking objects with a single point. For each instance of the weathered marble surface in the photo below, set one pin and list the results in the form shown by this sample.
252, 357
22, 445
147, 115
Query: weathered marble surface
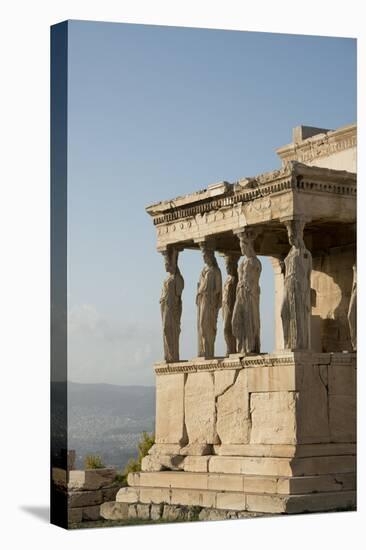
169, 423
228, 300
273, 417
256, 400
87, 490
335, 149
171, 305
233, 415
281, 486
246, 320
114, 510
296, 305
156, 463
90, 480
199, 408
208, 301
294, 190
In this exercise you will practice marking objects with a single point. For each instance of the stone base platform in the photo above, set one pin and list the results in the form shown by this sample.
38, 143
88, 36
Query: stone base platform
121, 511
265, 494
260, 484
269, 433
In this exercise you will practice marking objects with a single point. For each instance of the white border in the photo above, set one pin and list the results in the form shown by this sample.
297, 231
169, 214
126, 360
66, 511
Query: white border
25, 265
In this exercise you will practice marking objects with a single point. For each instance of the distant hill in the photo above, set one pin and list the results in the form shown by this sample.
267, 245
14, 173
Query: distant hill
135, 401
107, 419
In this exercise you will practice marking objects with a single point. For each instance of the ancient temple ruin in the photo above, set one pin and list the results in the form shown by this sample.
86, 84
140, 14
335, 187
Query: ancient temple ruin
254, 431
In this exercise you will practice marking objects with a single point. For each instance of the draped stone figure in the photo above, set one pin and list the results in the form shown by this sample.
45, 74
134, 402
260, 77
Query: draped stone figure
171, 305
228, 300
296, 304
208, 301
246, 318
352, 310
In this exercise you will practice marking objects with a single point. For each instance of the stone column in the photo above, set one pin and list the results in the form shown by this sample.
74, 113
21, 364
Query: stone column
296, 303
246, 317
208, 301
228, 299
171, 304
278, 270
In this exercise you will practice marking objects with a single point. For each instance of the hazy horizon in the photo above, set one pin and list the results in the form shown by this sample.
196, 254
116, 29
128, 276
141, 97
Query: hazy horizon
105, 384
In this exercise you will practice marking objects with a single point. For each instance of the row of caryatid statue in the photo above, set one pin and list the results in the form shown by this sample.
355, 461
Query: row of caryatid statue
239, 298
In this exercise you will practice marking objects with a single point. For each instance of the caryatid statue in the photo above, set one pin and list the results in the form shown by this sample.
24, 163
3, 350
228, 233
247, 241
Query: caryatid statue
208, 301
228, 300
246, 318
171, 305
296, 304
352, 310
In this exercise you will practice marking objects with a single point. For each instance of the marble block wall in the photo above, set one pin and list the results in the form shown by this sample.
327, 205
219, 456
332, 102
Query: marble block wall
275, 399
86, 491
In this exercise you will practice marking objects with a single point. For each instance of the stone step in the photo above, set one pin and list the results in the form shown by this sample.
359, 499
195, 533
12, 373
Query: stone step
276, 466
244, 483
228, 500
274, 450
285, 451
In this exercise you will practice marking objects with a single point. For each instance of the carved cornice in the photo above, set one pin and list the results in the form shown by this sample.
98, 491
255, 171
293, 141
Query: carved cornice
344, 359
294, 176
320, 145
277, 359
196, 366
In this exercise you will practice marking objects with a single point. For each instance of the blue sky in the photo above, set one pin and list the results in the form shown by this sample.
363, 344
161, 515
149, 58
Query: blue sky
156, 112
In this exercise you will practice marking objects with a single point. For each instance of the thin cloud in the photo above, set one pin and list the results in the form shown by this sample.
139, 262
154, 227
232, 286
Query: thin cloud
101, 349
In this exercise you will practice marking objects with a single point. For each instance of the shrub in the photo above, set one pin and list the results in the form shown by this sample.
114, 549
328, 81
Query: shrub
120, 478
144, 445
93, 462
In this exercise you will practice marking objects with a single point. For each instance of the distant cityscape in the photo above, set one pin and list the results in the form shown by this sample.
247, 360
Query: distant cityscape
108, 420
